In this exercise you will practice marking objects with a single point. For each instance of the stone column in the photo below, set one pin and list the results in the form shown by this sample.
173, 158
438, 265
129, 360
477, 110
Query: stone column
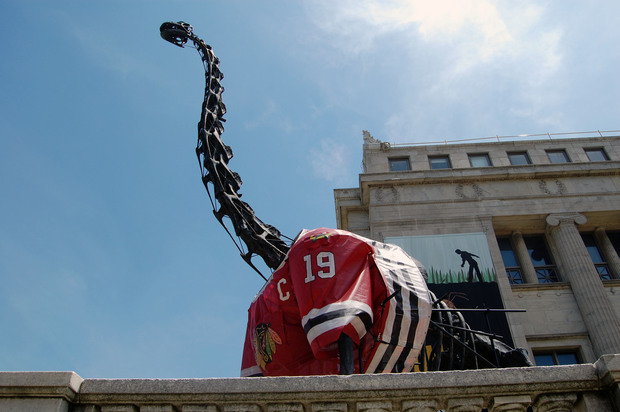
597, 312
608, 251
523, 257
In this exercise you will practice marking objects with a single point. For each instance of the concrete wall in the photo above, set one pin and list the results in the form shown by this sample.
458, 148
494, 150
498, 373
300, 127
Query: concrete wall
587, 387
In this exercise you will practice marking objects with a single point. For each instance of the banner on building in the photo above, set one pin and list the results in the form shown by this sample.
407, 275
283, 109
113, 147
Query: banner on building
457, 258
460, 269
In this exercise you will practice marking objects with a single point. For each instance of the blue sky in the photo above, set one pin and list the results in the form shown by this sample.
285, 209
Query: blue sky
111, 263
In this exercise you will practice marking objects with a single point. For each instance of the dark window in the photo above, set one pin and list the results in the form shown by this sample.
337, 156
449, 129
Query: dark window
439, 162
541, 259
519, 158
479, 160
597, 258
614, 238
513, 271
399, 164
556, 357
596, 154
558, 156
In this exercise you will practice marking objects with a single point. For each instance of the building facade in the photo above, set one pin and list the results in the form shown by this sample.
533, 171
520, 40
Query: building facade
546, 216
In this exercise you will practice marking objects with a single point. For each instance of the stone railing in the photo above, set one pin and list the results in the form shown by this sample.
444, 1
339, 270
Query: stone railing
585, 387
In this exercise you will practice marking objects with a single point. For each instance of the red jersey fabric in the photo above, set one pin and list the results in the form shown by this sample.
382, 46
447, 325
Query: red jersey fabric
333, 282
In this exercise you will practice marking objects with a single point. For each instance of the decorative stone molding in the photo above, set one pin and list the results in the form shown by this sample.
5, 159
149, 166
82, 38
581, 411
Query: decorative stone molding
557, 187
119, 408
556, 219
511, 403
465, 404
157, 408
199, 408
241, 407
285, 407
468, 191
557, 402
329, 407
368, 139
374, 406
387, 194
421, 406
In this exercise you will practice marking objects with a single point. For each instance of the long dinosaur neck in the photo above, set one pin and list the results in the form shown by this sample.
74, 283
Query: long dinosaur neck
213, 155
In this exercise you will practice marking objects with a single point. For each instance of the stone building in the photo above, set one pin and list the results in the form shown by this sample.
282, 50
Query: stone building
548, 211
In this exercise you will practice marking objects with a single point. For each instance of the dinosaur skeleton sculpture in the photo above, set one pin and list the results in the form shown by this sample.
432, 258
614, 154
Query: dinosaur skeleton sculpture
453, 344
213, 156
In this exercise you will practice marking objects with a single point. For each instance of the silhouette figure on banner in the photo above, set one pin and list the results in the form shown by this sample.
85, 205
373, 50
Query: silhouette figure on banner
473, 265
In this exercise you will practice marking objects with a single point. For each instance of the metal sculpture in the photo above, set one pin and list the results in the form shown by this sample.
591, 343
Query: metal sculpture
213, 156
451, 343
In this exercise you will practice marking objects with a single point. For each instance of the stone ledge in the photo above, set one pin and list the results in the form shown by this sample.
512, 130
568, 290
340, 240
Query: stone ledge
499, 388
360, 387
40, 384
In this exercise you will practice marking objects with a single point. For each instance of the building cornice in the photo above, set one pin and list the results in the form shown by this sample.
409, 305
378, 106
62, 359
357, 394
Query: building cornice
426, 177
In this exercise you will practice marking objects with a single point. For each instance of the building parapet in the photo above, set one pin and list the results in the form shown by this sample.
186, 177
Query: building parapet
512, 138
585, 387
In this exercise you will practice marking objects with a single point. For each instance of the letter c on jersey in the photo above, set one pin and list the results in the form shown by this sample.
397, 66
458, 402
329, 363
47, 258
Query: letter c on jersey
283, 296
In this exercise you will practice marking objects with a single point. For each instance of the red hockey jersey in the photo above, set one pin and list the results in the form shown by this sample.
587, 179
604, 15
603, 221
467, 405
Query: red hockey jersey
334, 282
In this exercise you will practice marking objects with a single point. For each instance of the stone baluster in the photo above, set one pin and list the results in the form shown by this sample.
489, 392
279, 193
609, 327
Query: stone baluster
511, 403
377, 406
523, 257
427, 405
465, 405
577, 267
285, 407
608, 251
157, 408
119, 408
555, 402
329, 407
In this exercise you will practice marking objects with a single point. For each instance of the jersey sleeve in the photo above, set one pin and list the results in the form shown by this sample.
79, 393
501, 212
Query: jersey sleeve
331, 275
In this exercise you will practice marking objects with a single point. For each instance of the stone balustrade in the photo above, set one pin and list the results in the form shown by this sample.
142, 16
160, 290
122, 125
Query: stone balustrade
585, 387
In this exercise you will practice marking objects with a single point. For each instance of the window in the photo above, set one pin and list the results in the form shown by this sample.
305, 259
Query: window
596, 154
597, 258
556, 357
614, 238
513, 271
558, 156
479, 160
440, 162
399, 164
541, 259
519, 158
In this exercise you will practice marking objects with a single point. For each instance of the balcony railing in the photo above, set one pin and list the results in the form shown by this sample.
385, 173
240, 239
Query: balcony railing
585, 387
603, 271
546, 274
518, 137
514, 275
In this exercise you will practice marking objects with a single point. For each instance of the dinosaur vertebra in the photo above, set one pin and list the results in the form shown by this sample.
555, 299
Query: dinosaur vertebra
213, 156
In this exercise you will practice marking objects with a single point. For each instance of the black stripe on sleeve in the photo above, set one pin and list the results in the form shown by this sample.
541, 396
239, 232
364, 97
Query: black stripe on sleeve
339, 313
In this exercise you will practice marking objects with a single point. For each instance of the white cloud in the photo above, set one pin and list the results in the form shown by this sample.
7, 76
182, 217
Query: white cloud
330, 161
449, 55
356, 25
